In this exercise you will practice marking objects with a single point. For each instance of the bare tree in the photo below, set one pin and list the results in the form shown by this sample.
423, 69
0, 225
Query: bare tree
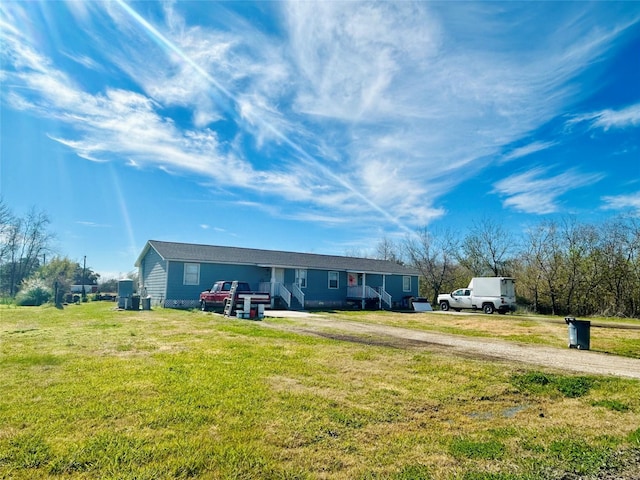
434, 257
544, 262
618, 252
634, 294
488, 249
581, 274
388, 250
25, 241
574, 268
6, 219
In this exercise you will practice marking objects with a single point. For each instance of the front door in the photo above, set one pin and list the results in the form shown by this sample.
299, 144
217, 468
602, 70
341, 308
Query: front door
279, 275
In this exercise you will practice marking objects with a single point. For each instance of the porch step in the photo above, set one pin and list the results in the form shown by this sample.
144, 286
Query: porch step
280, 304
295, 304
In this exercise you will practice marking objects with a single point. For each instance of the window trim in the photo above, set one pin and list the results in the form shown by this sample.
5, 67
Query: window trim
186, 276
337, 279
406, 288
301, 277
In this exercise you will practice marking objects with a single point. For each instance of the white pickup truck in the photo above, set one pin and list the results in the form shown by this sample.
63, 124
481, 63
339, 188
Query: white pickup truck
489, 294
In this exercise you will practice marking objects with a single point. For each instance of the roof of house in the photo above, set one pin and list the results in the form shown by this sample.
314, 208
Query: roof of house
187, 252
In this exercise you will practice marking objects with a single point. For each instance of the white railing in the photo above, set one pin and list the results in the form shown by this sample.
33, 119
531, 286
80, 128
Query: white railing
298, 293
386, 298
284, 293
354, 292
277, 289
360, 292
369, 292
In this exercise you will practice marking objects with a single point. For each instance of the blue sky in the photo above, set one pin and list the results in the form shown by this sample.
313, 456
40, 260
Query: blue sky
314, 126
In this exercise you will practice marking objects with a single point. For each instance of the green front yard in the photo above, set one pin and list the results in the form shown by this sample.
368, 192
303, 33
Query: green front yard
91, 392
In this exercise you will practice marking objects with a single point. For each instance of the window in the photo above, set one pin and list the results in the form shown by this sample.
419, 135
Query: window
406, 284
301, 278
333, 279
191, 274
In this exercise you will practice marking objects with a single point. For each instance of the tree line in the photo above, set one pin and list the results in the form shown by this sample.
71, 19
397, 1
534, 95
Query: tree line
561, 267
25, 243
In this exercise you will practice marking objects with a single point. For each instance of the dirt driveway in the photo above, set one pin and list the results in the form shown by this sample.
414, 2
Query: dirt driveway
578, 361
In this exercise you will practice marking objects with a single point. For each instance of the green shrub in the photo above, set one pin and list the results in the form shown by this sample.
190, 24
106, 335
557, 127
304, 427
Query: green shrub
33, 293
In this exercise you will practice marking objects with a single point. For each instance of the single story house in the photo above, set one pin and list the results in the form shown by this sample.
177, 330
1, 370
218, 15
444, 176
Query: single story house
174, 274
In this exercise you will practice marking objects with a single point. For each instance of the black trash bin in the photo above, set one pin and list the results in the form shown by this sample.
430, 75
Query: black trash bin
579, 333
135, 302
146, 303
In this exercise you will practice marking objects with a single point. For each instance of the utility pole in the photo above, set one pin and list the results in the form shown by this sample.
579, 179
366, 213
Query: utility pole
84, 269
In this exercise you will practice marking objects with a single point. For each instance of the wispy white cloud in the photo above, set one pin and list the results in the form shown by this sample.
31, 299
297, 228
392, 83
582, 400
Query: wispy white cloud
623, 202
537, 191
527, 150
609, 118
352, 112
91, 224
85, 61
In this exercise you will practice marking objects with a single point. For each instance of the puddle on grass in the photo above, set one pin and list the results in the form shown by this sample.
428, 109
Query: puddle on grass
506, 413
512, 411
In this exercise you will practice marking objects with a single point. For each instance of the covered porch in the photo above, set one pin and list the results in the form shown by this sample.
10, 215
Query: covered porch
290, 294
367, 295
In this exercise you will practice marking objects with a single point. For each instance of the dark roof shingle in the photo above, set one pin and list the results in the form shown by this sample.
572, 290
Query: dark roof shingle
188, 252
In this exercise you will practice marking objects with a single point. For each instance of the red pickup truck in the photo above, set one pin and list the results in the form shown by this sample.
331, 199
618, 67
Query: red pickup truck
216, 296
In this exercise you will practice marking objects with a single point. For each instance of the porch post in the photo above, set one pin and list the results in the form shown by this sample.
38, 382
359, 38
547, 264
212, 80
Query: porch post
384, 290
273, 287
364, 284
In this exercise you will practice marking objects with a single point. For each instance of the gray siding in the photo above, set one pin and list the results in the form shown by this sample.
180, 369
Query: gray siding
394, 288
319, 295
212, 272
180, 295
153, 275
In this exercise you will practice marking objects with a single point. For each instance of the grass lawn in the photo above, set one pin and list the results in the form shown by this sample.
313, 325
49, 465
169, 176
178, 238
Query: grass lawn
91, 392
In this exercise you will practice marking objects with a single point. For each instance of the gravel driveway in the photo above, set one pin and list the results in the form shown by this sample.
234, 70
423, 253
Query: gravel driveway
578, 361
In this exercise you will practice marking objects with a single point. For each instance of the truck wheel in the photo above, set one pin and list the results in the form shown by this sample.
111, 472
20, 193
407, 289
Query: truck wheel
203, 306
488, 308
444, 306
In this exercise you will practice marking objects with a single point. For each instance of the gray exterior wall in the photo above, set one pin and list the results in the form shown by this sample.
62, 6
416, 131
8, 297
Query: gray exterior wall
394, 288
153, 276
180, 295
319, 295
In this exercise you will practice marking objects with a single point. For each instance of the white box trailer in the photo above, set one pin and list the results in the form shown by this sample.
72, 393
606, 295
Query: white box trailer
489, 294
493, 286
